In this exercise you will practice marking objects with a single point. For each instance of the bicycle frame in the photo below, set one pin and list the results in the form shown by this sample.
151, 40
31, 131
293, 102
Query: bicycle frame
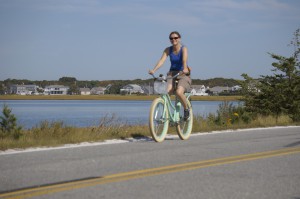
173, 109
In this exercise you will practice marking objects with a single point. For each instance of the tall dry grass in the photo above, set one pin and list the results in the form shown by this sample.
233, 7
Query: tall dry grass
57, 133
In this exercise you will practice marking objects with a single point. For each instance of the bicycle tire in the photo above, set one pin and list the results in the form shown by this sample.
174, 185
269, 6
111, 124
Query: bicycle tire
184, 128
158, 120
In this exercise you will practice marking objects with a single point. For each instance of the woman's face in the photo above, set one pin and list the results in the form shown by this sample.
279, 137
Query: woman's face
174, 39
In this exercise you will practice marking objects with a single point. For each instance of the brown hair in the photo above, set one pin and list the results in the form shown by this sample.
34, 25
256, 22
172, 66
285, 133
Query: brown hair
175, 32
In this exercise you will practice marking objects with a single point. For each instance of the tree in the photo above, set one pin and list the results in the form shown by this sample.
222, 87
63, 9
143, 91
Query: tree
2, 89
8, 124
250, 92
67, 79
72, 83
73, 90
280, 92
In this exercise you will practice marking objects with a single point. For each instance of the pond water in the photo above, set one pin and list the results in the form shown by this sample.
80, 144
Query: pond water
82, 113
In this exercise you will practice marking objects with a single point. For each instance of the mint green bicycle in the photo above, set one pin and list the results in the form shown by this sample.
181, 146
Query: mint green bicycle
164, 113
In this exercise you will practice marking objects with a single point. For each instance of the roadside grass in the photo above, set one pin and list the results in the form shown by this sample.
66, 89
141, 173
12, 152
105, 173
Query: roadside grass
56, 134
207, 125
48, 134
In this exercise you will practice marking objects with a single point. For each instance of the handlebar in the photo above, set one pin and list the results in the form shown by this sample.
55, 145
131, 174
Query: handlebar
163, 78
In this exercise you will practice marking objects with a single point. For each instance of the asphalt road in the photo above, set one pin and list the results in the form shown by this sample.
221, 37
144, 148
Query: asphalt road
261, 163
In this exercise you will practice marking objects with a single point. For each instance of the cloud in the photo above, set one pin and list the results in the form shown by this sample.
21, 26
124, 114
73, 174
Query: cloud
104, 7
175, 19
145, 10
188, 13
251, 13
68, 6
239, 5
79, 6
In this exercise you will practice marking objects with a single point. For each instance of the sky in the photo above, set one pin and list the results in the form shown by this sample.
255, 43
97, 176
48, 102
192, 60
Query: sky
123, 39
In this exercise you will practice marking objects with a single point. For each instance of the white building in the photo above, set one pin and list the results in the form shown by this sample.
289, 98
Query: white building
56, 90
219, 89
236, 88
85, 91
23, 89
132, 88
198, 90
98, 91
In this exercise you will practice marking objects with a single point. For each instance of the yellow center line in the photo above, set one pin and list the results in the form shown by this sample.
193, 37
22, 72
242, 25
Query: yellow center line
48, 189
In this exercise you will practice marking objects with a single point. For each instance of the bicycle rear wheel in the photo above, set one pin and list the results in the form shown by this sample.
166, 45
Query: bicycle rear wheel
158, 120
184, 128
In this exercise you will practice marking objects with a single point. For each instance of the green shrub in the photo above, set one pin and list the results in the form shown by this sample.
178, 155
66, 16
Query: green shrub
8, 124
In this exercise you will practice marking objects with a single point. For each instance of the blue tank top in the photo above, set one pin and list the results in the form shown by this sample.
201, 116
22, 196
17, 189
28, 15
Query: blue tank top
176, 60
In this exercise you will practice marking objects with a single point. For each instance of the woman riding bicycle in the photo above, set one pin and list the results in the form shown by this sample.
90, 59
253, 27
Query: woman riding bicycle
178, 58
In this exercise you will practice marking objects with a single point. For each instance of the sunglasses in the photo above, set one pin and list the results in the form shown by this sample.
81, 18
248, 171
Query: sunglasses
172, 38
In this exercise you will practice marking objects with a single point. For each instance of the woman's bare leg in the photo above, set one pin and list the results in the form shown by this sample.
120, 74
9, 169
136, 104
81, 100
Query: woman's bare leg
180, 94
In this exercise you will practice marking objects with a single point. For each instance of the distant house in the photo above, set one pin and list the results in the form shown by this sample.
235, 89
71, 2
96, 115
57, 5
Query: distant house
131, 88
236, 88
56, 90
198, 90
98, 91
85, 91
253, 86
23, 89
219, 89
148, 89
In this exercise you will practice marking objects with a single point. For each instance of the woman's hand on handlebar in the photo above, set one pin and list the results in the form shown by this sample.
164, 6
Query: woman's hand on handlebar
185, 71
151, 72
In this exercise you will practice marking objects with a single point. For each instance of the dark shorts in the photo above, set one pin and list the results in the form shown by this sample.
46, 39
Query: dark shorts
183, 81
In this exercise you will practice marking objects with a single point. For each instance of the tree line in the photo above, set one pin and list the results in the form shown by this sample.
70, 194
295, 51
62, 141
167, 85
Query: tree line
75, 84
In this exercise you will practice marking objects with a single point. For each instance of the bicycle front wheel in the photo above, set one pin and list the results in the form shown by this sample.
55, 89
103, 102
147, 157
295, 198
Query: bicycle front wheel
184, 128
158, 120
